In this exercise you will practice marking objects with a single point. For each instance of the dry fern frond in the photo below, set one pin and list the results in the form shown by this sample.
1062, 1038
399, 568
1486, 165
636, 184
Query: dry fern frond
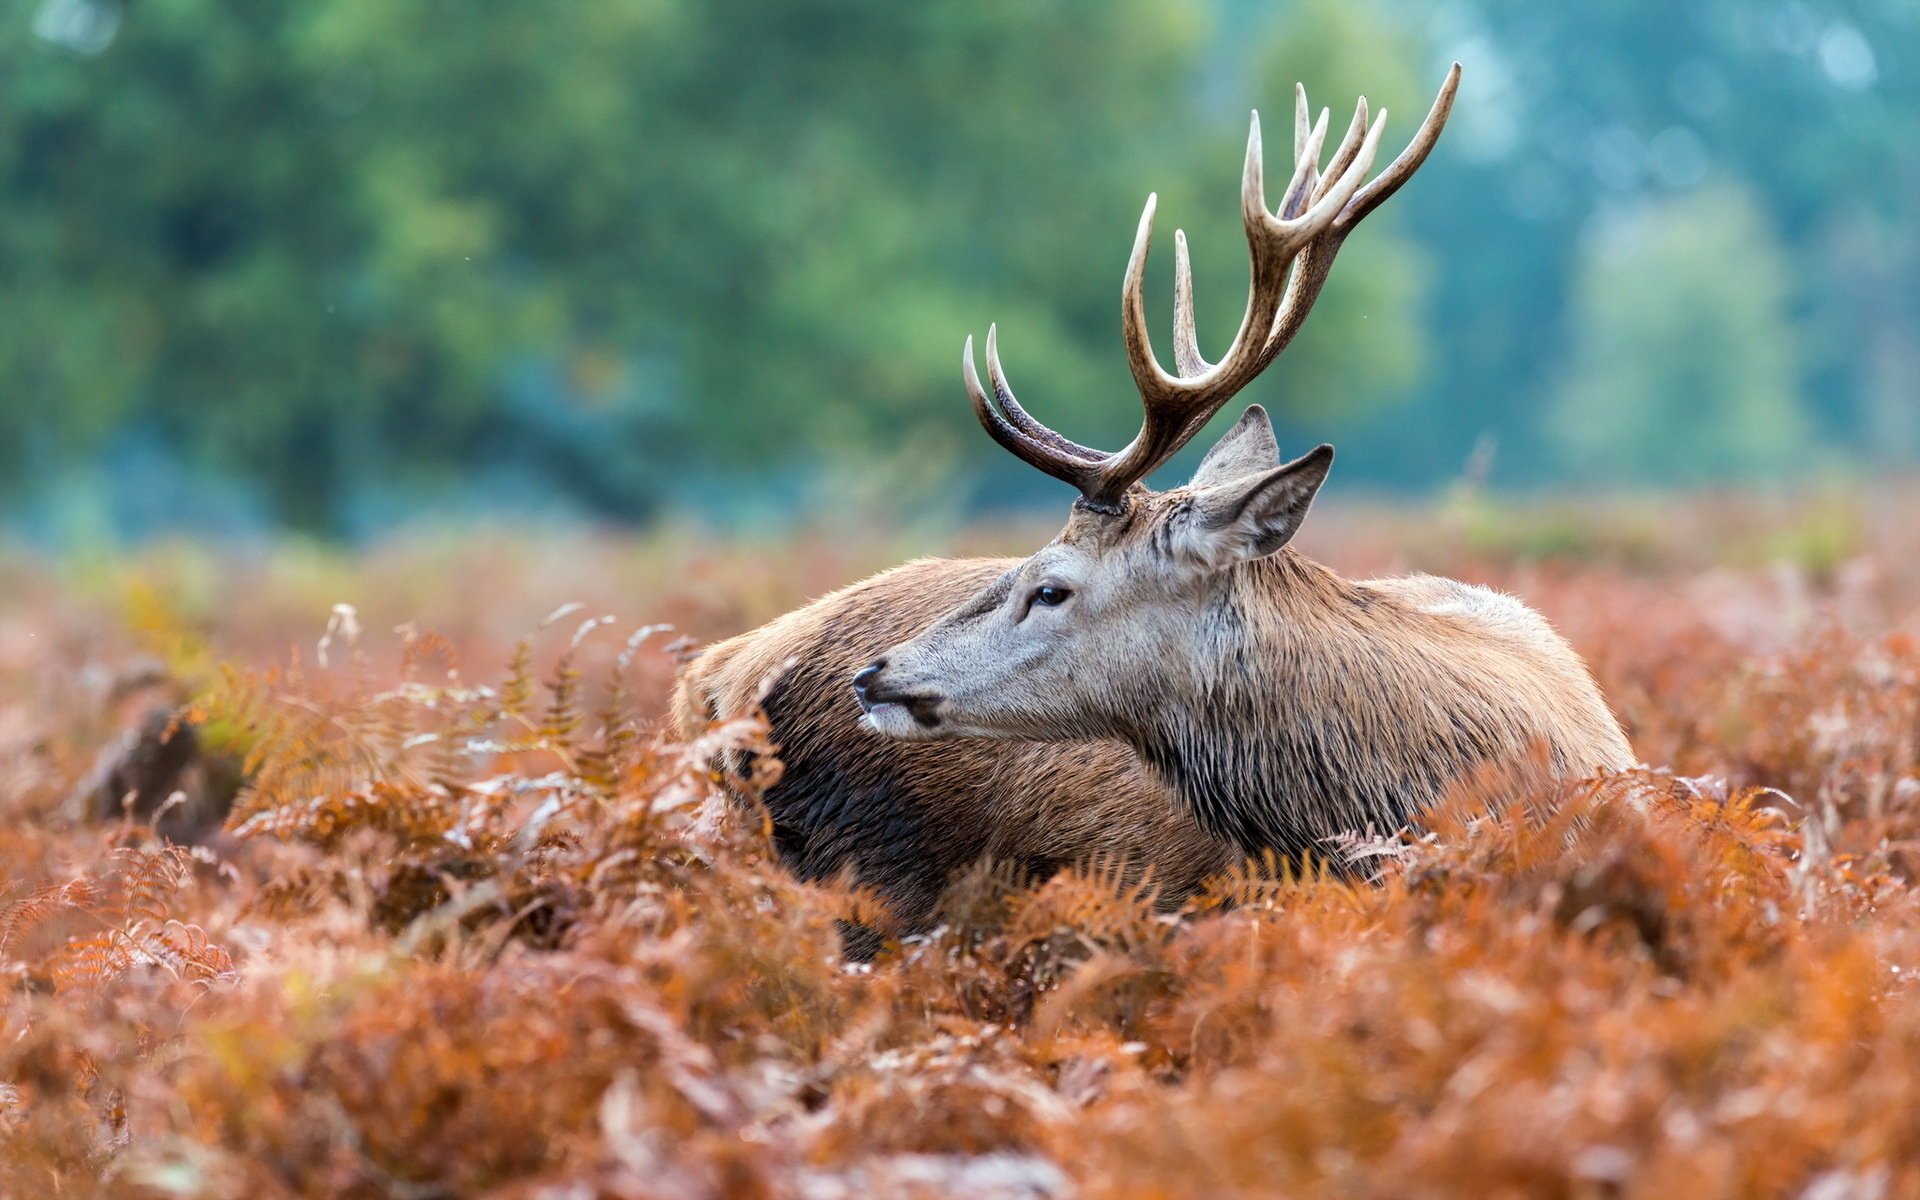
486, 936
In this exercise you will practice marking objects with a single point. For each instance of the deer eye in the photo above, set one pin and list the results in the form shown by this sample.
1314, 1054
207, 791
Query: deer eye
1048, 595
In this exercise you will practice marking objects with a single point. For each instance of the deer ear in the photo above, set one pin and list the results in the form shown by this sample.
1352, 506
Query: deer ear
1253, 517
1246, 449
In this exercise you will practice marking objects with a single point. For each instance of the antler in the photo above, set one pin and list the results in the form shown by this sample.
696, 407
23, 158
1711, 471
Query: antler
1292, 250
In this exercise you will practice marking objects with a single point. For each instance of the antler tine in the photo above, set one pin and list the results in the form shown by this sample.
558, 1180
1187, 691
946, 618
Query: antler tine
1306, 171
1026, 449
1148, 375
1408, 161
1186, 346
1016, 415
1349, 147
1301, 124
1253, 184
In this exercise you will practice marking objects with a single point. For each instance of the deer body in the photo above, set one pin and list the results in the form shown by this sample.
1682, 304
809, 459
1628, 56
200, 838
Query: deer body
1313, 706
1278, 703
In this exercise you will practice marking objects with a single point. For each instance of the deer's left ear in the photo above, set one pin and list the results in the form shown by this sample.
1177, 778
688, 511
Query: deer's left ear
1253, 517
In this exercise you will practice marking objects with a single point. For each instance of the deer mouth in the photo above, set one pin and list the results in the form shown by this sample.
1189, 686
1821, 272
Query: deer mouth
901, 714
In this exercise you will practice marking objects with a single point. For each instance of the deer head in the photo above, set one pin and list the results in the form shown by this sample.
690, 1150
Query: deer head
1076, 641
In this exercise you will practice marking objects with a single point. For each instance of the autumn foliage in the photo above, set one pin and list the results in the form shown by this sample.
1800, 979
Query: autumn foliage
472, 928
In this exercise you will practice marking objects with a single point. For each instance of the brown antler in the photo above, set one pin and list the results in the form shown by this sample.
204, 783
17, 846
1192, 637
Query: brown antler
1292, 249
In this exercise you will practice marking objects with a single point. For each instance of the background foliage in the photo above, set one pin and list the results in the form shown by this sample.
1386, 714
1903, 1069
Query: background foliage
336, 262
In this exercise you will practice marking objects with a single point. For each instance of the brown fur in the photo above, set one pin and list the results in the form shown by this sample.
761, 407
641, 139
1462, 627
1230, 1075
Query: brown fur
1369, 699
904, 817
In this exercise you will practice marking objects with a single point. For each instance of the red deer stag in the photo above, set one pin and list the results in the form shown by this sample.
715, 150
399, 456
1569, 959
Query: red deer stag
1190, 586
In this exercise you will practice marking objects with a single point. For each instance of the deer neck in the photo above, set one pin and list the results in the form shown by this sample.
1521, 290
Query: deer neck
1276, 737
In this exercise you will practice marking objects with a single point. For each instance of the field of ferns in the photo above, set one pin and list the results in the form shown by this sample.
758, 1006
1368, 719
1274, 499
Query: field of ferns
370, 875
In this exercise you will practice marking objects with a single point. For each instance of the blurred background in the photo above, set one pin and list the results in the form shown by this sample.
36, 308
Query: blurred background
338, 267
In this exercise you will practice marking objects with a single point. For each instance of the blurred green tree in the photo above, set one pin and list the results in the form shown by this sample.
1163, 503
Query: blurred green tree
1684, 364
1572, 110
344, 243
357, 253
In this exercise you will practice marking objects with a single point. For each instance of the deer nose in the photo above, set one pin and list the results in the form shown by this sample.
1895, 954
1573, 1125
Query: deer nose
864, 680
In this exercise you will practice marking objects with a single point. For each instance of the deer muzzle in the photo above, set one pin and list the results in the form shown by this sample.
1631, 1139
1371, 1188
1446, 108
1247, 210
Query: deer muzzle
893, 710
